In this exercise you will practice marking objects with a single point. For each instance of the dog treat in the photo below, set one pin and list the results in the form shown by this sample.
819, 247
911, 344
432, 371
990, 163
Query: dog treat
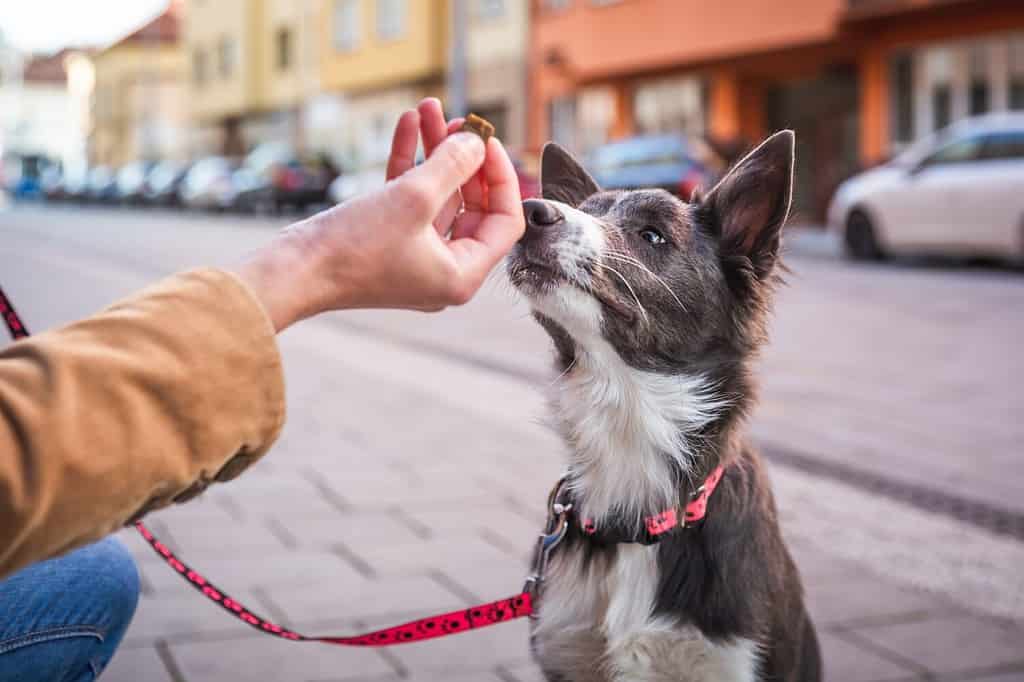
480, 126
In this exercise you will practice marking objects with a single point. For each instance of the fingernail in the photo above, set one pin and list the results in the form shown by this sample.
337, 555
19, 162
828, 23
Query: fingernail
466, 140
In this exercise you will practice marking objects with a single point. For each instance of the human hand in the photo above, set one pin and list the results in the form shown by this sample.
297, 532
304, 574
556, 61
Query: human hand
425, 241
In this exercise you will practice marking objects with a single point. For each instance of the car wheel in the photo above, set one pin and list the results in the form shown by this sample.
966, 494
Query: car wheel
861, 238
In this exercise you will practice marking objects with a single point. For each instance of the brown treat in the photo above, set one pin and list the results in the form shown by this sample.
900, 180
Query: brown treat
480, 126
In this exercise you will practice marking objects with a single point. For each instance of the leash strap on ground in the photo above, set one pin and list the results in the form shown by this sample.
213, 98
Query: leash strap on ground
519, 606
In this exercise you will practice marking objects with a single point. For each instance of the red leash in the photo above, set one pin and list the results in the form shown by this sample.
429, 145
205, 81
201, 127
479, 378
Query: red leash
415, 631
519, 606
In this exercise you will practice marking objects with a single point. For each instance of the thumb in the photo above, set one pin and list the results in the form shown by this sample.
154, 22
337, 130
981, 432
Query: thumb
452, 164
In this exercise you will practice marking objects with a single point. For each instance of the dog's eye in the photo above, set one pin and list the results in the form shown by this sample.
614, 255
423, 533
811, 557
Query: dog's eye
653, 237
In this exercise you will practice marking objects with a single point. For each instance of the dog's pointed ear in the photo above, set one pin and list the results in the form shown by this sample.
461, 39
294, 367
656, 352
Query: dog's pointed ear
751, 203
563, 179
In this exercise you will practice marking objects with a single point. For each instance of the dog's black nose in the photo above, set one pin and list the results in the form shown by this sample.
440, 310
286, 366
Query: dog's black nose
540, 214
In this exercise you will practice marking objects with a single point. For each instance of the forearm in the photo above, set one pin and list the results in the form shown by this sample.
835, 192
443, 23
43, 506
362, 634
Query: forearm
135, 408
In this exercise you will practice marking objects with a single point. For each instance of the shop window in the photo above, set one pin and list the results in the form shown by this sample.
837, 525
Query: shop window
978, 89
672, 105
902, 96
1016, 86
562, 121
942, 106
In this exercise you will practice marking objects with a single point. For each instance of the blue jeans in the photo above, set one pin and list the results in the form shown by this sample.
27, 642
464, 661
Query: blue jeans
61, 620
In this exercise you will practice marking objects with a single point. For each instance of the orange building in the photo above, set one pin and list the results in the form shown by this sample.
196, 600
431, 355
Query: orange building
857, 79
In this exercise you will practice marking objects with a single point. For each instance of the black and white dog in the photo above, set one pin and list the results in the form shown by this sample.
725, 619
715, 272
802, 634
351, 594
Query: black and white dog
657, 309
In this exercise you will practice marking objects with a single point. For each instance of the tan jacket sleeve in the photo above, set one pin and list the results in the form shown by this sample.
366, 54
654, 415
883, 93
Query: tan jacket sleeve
138, 407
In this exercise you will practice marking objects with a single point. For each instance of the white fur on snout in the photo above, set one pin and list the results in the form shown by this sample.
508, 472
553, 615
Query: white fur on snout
582, 242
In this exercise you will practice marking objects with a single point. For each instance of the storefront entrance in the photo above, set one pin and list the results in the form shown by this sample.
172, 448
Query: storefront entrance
824, 113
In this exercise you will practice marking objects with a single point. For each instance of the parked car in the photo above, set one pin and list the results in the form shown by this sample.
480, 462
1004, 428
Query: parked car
164, 182
131, 181
348, 185
209, 185
51, 182
672, 162
274, 176
960, 192
74, 184
101, 186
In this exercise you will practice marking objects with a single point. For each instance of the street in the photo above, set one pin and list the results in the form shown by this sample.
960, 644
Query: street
412, 472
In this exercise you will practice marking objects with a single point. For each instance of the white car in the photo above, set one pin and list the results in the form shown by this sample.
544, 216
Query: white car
958, 193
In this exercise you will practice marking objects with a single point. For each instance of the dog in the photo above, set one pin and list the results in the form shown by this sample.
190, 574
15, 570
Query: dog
657, 309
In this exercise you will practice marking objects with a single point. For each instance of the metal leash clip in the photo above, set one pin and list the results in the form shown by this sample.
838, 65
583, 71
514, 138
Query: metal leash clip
554, 532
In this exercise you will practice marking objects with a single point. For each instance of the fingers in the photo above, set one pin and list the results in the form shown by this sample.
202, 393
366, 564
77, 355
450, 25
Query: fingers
453, 162
499, 175
485, 238
403, 145
433, 126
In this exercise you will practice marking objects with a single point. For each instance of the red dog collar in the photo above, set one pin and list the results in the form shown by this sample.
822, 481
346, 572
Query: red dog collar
657, 526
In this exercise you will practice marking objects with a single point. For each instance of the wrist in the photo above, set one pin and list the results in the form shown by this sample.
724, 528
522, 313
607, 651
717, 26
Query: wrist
284, 277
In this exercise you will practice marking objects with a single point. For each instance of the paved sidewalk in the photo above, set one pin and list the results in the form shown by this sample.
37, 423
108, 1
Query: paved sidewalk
412, 472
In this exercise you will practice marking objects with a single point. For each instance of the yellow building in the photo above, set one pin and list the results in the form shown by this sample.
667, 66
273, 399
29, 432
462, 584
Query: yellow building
137, 107
496, 38
254, 66
378, 58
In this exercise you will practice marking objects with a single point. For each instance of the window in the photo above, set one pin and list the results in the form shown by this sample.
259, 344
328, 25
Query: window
556, 4
1016, 90
284, 49
346, 25
489, 9
199, 66
902, 84
390, 19
562, 121
978, 91
228, 55
942, 106
958, 151
1004, 145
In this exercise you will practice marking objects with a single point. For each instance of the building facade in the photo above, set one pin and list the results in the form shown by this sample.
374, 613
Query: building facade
138, 109
378, 57
44, 110
857, 79
496, 61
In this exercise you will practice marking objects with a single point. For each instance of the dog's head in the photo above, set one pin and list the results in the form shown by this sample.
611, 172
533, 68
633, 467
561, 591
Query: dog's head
670, 285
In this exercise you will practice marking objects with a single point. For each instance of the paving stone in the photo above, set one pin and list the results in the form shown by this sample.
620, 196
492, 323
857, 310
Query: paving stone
1015, 676
524, 672
451, 554
488, 580
184, 611
326, 601
352, 529
846, 661
136, 665
863, 596
234, 574
195, 542
269, 658
952, 644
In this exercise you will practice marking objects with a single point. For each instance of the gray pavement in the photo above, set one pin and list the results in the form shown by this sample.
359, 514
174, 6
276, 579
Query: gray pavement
411, 474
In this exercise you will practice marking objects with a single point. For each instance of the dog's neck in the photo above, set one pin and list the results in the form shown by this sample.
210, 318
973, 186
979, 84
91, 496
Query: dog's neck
637, 439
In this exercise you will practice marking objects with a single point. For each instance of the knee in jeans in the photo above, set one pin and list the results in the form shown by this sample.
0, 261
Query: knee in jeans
113, 578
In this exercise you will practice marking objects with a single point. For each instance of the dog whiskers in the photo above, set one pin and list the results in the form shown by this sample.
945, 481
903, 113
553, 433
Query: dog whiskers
621, 257
625, 281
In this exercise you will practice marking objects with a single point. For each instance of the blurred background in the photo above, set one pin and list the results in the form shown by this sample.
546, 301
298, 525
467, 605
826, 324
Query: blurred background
139, 137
